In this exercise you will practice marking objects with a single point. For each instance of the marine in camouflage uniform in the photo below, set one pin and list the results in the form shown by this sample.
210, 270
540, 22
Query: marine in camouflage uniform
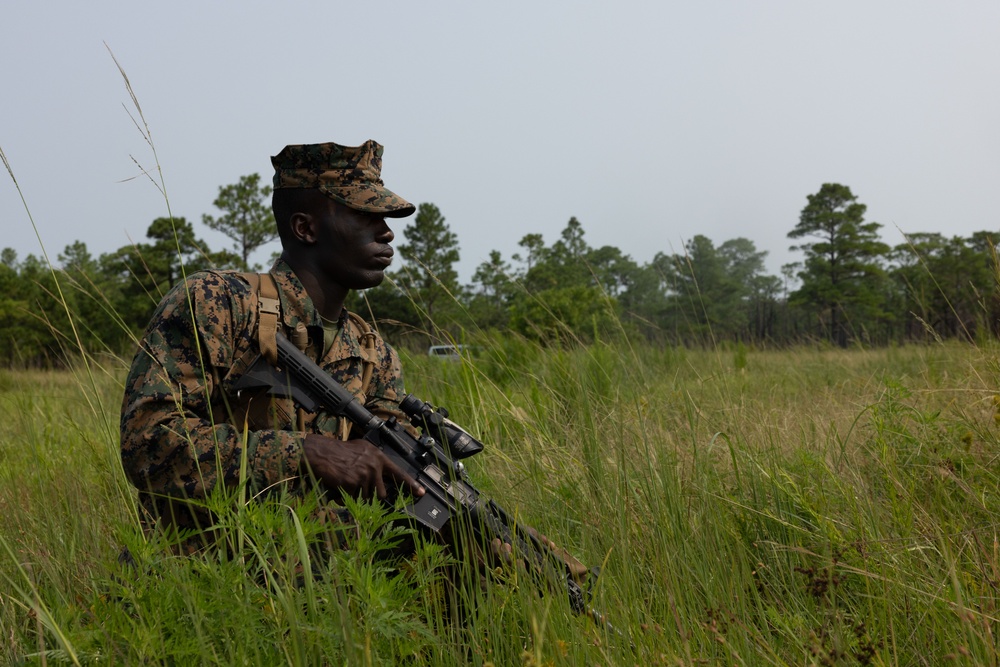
184, 428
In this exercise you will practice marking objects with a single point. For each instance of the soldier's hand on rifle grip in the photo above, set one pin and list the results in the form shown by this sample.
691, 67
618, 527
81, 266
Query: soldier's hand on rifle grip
356, 467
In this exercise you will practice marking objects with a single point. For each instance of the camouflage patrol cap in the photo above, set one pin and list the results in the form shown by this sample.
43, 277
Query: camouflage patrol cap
349, 175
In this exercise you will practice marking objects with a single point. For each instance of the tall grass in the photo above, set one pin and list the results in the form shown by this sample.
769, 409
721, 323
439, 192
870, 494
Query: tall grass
807, 506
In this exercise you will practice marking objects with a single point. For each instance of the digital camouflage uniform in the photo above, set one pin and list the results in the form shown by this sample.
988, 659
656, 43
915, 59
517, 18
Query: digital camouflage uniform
182, 424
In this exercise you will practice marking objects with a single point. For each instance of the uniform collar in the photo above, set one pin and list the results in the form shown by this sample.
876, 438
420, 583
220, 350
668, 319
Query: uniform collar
297, 306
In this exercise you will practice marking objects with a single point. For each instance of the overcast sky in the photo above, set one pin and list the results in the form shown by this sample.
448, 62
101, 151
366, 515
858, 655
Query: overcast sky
650, 122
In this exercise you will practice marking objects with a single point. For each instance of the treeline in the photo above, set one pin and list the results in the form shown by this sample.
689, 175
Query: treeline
849, 288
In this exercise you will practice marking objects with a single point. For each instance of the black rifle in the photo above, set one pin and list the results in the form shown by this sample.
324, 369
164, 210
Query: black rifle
451, 506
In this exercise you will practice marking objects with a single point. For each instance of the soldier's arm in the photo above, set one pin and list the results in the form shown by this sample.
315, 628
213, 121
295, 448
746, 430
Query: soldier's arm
171, 442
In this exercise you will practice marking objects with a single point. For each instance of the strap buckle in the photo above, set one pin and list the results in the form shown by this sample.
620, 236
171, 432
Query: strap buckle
269, 306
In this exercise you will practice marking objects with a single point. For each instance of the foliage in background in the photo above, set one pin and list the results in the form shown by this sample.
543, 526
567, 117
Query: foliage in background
850, 289
246, 216
842, 276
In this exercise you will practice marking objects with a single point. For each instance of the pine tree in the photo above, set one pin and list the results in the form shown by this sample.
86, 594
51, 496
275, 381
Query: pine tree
842, 276
247, 218
429, 254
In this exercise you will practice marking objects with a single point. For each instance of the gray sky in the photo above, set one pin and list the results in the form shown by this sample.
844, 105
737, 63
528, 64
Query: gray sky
649, 121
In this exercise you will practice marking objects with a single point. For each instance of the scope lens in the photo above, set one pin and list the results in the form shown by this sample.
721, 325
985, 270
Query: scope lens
411, 405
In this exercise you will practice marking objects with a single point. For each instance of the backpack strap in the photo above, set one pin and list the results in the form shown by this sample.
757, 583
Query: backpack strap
268, 312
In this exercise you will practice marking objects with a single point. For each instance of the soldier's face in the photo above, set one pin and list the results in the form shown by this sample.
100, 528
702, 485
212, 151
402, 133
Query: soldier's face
353, 246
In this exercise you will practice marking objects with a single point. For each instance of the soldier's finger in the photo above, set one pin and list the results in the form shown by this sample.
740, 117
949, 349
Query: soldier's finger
402, 478
499, 551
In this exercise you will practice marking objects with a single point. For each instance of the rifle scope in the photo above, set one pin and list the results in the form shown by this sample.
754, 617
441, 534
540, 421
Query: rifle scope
436, 424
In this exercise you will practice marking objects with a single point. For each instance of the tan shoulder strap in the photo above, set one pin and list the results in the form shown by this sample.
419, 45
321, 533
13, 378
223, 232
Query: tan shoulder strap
264, 288
268, 312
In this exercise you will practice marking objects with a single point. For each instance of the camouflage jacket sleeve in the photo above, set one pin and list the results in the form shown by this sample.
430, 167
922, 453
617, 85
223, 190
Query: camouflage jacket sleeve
174, 437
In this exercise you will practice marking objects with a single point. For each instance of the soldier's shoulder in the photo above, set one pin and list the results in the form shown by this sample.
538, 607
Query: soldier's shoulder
211, 282
204, 293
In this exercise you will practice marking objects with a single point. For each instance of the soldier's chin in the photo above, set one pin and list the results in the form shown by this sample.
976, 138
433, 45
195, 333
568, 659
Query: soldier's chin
369, 280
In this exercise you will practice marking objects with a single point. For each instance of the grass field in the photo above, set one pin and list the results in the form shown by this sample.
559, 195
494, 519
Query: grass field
797, 507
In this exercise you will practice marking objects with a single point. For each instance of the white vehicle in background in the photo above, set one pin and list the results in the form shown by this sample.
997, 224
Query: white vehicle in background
452, 352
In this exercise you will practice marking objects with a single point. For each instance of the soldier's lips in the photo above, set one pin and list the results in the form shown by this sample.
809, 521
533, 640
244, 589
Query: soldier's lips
383, 259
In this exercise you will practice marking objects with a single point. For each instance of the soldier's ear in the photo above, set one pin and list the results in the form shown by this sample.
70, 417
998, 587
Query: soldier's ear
303, 227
